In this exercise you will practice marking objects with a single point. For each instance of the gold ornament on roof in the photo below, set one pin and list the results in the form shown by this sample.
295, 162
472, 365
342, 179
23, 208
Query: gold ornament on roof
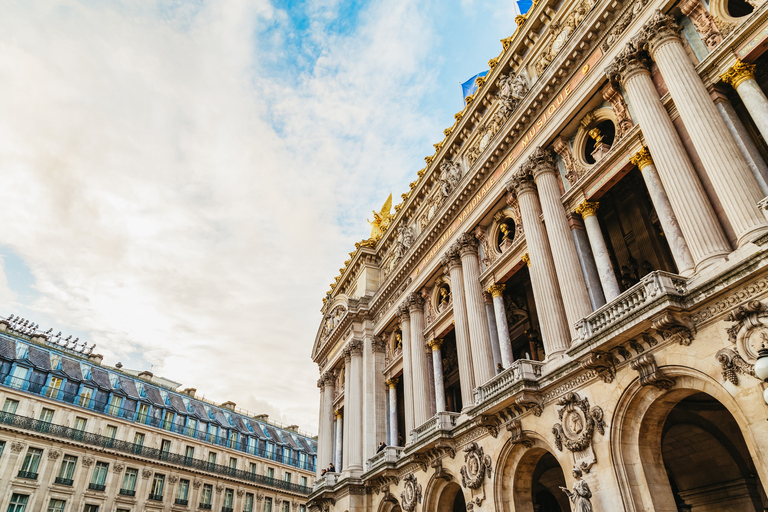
381, 220
469, 98
429, 159
438, 146
448, 131
398, 206
492, 63
520, 19
413, 184
405, 196
421, 172
458, 115
480, 81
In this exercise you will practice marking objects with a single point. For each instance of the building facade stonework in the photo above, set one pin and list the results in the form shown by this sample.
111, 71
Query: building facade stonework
565, 309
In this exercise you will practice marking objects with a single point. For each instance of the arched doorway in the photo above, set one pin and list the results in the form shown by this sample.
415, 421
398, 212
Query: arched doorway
537, 482
451, 499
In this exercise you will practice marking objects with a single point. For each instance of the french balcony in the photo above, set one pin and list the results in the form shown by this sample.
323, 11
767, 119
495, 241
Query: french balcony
127, 492
64, 481
440, 422
388, 455
205, 506
156, 497
97, 487
181, 502
29, 475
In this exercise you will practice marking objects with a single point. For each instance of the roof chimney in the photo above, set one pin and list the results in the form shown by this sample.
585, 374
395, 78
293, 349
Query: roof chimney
229, 405
190, 391
146, 375
96, 358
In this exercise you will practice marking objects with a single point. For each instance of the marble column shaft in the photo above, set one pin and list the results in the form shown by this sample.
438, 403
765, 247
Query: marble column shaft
505, 344
353, 405
405, 325
437, 365
605, 270
418, 361
587, 260
393, 433
742, 77
337, 452
731, 178
493, 330
555, 333
375, 393
482, 358
327, 441
321, 434
452, 261
694, 212
346, 418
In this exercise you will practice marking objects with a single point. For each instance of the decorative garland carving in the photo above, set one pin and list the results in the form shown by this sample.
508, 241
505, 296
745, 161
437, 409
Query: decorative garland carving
17, 446
476, 466
580, 421
731, 363
411, 494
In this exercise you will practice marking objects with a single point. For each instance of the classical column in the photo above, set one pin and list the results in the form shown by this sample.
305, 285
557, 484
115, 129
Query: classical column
353, 405
554, 327
493, 330
346, 420
375, 397
541, 164
605, 270
337, 455
321, 435
672, 232
393, 433
482, 360
741, 76
505, 345
437, 365
686, 194
329, 381
726, 168
452, 262
418, 360
405, 326
587, 260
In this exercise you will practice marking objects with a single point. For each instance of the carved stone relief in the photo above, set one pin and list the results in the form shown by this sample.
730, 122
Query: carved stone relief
561, 32
618, 29
624, 121
747, 333
411, 494
703, 21
650, 375
573, 169
477, 466
579, 423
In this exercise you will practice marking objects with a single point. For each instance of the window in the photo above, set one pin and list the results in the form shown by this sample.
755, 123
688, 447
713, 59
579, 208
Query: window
267, 504
110, 431
212, 458
10, 406
67, 470
18, 503
86, 371
183, 492
114, 405
53, 387
165, 446
129, 481
114, 380
167, 420
302, 508
46, 415
252, 443
91, 508
232, 463
233, 437
31, 463
99, 477
287, 477
229, 498
191, 427
143, 413
21, 350
205, 497
286, 506
55, 361
304, 481
252, 468
189, 452
156, 493
85, 397
80, 423
138, 439
56, 505
18, 377
270, 472
2, 447
248, 503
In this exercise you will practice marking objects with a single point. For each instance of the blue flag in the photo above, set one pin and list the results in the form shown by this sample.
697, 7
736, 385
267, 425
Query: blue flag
470, 86
523, 6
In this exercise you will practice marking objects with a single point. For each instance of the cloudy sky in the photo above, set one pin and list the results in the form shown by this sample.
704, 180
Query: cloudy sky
182, 179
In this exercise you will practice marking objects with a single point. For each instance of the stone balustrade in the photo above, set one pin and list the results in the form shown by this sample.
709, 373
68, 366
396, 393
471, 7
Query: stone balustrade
522, 369
441, 421
390, 454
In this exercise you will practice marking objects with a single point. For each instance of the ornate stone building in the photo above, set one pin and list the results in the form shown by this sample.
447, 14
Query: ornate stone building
77, 435
566, 307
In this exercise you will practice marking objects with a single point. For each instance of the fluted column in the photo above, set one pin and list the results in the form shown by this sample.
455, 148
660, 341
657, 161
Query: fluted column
353, 405
452, 262
482, 358
493, 330
505, 344
554, 327
375, 393
337, 451
347, 418
572, 286
605, 270
320, 427
405, 325
724, 164
672, 232
741, 76
418, 360
393, 433
691, 206
325, 458
437, 365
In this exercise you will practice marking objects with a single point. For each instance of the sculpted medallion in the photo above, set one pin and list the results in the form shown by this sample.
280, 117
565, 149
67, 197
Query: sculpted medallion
578, 424
411, 494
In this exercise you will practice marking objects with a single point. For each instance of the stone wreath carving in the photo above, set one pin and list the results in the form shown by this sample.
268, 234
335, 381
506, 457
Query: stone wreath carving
476, 465
579, 422
411, 494
747, 333
17, 446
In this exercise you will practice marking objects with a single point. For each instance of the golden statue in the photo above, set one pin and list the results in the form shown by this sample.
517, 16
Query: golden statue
595, 134
381, 220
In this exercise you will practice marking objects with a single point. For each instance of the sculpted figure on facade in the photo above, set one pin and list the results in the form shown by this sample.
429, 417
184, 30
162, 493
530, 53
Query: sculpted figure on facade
512, 88
381, 220
332, 321
450, 176
489, 255
476, 466
703, 21
572, 168
580, 496
624, 121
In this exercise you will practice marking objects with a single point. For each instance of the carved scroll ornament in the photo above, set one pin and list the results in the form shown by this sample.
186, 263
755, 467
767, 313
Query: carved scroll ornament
476, 466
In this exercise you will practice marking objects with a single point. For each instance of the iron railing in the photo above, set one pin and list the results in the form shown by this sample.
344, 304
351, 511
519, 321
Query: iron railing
205, 506
181, 502
127, 492
156, 497
60, 431
29, 475
97, 487
64, 481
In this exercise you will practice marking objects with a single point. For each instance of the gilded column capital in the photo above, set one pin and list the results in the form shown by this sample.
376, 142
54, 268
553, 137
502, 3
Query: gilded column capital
467, 244
526, 259
657, 31
435, 343
392, 382
587, 209
338, 414
631, 61
496, 290
642, 158
738, 73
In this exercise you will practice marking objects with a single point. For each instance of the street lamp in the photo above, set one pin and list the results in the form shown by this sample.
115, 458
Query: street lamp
761, 368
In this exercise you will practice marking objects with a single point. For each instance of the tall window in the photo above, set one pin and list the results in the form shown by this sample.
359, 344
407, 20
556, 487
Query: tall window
46, 415
91, 508
110, 431
31, 463
232, 463
183, 491
233, 437
2, 447
212, 458
56, 505
114, 405
252, 468
252, 443
55, 361
229, 498
248, 503
167, 420
270, 472
157, 487
189, 452
304, 481
67, 470
80, 423
129, 480
138, 439
85, 397
205, 497
267, 504
18, 503
18, 378
99, 477
165, 446
287, 477
143, 413
53, 387
10, 406
22, 350
191, 427
286, 506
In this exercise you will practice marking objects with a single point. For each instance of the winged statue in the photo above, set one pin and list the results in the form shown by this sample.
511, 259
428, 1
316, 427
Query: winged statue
381, 220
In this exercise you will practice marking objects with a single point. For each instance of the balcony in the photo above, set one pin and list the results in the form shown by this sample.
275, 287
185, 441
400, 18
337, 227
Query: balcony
205, 506
97, 487
155, 497
181, 502
442, 421
29, 475
127, 492
388, 455
227, 509
63, 481
522, 369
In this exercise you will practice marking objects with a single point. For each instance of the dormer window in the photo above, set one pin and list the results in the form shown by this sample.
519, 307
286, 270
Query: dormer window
140, 388
22, 350
86, 371
114, 380
55, 362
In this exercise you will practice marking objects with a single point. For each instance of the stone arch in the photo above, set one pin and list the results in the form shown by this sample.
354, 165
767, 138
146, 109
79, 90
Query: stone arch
389, 504
441, 493
592, 120
513, 478
730, 10
641, 476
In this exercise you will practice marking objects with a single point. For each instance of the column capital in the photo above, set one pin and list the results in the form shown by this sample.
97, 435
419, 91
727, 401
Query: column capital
415, 303
338, 414
487, 297
631, 61
541, 161
451, 258
467, 244
587, 209
356, 347
403, 313
392, 382
378, 343
347, 353
657, 31
329, 378
642, 158
521, 182
526, 259
496, 290
738, 73
435, 343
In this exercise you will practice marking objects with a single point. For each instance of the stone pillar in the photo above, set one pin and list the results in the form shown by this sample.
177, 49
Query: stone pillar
345, 451
375, 398
437, 365
672, 232
321, 434
554, 327
418, 360
405, 326
610, 285
329, 382
541, 164
689, 201
393, 433
337, 454
505, 345
493, 330
587, 260
482, 360
452, 262
726, 168
741, 76
353, 405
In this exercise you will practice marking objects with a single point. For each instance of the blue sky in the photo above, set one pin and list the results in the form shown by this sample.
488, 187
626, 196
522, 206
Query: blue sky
184, 179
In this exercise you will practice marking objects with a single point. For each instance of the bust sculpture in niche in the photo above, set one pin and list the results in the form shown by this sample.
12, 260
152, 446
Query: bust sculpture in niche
445, 298
506, 234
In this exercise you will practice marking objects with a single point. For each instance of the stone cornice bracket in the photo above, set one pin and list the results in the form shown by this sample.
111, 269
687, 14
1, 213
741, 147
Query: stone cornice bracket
517, 435
642, 158
739, 72
658, 31
420, 460
650, 375
603, 363
440, 473
703, 21
612, 95
468, 244
674, 327
415, 303
574, 170
731, 363
631, 61
530, 401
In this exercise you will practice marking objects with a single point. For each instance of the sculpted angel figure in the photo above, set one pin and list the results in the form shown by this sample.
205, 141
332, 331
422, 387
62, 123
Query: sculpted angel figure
381, 220
580, 496
450, 175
